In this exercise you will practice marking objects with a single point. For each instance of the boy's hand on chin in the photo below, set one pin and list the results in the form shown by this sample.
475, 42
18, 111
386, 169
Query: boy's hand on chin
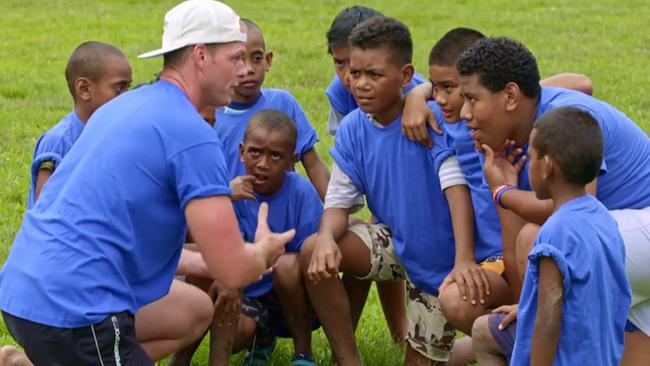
502, 167
242, 188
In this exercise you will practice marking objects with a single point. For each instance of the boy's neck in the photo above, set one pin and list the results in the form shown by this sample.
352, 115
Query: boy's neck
388, 115
526, 114
242, 99
564, 192
83, 113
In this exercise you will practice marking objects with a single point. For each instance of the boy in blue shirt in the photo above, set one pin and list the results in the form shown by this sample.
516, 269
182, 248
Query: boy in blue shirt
277, 304
249, 98
500, 83
576, 294
412, 240
96, 72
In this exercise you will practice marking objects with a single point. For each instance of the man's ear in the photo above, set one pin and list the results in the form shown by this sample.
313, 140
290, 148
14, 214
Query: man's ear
407, 74
241, 151
83, 88
268, 57
512, 94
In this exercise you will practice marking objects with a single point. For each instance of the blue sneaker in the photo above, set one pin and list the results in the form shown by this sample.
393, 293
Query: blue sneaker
302, 359
259, 356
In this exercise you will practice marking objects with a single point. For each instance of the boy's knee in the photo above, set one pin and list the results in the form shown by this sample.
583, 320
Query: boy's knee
526, 237
480, 330
305, 253
456, 310
287, 270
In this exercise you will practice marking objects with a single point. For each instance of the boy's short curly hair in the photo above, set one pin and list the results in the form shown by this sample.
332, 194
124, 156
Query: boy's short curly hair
344, 22
384, 32
574, 140
449, 48
273, 120
498, 61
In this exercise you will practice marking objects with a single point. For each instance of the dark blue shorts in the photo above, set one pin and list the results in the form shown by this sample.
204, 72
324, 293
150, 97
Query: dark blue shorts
504, 338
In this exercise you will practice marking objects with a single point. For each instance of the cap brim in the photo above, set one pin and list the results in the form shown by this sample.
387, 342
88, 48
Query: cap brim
159, 52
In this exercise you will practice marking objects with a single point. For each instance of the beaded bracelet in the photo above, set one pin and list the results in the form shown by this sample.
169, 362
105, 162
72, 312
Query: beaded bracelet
498, 193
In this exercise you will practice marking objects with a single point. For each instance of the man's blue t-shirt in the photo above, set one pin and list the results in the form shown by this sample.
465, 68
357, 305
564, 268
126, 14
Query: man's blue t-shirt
582, 239
296, 205
342, 101
625, 172
53, 146
107, 231
400, 181
488, 227
232, 122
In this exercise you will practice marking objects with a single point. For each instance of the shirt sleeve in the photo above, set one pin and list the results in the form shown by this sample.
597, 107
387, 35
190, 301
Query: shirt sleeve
341, 192
547, 250
451, 174
199, 171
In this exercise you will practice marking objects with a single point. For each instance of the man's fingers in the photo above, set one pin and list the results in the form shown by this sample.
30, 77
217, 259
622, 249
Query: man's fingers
262, 223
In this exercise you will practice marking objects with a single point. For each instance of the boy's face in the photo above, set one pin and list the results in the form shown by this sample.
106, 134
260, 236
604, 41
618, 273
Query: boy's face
376, 81
538, 170
341, 58
258, 62
267, 155
445, 81
485, 113
115, 80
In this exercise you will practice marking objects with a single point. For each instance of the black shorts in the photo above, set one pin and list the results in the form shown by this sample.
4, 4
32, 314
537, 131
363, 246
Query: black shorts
109, 342
267, 312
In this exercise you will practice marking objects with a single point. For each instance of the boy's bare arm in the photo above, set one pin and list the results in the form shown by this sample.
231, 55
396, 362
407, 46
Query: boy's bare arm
548, 320
326, 257
41, 178
511, 225
568, 80
472, 282
317, 171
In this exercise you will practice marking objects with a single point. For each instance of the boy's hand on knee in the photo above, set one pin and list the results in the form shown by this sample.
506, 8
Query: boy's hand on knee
473, 283
227, 307
325, 259
242, 188
511, 314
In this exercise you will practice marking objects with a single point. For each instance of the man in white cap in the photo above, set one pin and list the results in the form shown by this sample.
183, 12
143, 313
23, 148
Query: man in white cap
105, 236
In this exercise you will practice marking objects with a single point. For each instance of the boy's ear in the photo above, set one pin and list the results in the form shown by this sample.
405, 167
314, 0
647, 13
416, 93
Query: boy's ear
241, 151
83, 88
512, 94
268, 57
407, 74
547, 167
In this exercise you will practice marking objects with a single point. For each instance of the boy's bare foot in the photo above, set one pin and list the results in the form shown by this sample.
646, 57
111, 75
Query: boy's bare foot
12, 356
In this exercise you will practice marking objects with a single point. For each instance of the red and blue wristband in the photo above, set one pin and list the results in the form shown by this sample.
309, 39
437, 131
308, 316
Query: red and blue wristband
498, 193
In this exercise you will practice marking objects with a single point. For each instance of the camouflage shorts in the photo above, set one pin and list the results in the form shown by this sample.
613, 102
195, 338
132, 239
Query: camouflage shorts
429, 333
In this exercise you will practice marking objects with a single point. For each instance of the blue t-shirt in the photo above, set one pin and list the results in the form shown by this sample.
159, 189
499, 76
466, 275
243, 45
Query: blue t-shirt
107, 231
232, 122
342, 101
488, 227
400, 181
53, 146
625, 172
583, 240
296, 205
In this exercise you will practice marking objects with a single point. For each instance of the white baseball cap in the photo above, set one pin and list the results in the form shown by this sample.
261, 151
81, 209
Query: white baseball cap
198, 21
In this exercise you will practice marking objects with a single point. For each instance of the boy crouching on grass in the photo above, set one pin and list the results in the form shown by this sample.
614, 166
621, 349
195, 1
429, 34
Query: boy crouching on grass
576, 295
276, 305
419, 238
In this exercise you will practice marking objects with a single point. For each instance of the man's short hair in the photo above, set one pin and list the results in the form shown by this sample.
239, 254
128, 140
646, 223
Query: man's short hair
273, 120
387, 33
344, 22
448, 49
89, 60
499, 61
573, 138
175, 58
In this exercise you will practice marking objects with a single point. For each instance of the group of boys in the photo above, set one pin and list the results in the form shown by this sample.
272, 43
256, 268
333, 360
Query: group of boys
456, 207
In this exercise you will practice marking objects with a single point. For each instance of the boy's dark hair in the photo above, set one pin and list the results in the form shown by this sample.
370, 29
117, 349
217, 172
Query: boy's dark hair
387, 33
344, 22
251, 24
273, 120
88, 60
574, 140
448, 49
498, 61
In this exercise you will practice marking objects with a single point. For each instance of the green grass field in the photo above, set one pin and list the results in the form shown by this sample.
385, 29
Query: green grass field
609, 41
